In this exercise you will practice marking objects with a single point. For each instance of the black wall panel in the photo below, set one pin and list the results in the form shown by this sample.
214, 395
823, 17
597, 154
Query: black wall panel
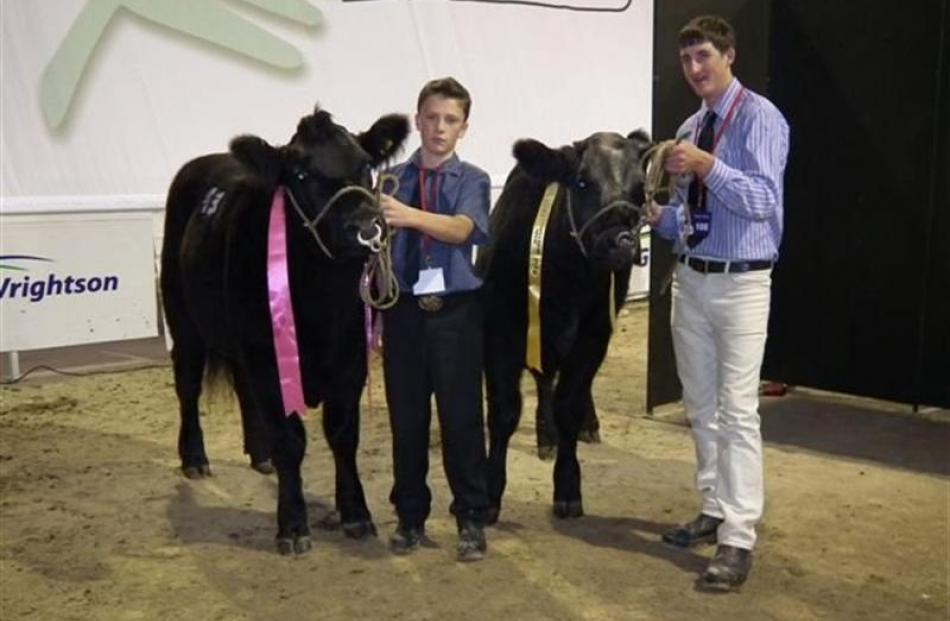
858, 83
934, 364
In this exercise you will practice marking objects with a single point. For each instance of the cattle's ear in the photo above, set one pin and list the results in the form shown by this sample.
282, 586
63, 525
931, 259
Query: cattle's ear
385, 137
640, 139
543, 163
257, 155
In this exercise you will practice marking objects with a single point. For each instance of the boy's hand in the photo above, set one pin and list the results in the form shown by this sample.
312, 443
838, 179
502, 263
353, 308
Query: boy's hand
685, 157
397, 213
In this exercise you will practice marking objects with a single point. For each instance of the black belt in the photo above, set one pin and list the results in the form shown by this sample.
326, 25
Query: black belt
430, 303
436, 303
720, 267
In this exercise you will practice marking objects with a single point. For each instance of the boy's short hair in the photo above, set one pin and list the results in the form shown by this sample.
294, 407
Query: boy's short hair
710, 28
450, 88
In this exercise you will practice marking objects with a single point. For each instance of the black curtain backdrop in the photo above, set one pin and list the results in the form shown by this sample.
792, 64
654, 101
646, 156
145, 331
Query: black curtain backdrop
861, 294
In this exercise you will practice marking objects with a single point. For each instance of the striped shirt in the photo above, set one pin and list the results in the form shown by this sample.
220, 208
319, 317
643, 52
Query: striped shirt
745, 185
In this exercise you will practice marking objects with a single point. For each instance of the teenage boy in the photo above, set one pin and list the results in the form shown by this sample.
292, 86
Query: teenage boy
727, 235
432, 337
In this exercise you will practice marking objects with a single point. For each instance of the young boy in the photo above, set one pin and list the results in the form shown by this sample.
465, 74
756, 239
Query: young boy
432, 337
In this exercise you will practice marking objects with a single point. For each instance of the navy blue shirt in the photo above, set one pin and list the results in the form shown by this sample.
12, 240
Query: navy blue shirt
463, 189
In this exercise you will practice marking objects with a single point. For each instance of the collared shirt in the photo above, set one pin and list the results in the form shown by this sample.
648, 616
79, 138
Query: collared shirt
463, 189
745, 185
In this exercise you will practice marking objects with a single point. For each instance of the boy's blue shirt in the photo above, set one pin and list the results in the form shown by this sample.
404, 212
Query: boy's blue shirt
464, 189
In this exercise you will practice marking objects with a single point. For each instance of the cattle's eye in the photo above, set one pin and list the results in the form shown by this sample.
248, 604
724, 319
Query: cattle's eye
301, 175
581, 184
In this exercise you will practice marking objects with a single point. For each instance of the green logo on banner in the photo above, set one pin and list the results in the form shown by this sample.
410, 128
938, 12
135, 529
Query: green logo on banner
208, 20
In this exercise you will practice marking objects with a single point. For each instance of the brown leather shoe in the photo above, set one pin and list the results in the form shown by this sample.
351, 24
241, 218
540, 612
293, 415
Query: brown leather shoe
728, 569
702, 529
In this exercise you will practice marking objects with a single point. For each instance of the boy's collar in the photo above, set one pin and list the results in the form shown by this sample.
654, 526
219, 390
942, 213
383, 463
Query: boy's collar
725, 100
452, 166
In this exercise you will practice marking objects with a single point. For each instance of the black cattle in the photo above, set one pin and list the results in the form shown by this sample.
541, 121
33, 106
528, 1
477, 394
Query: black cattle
215, 293
593, 232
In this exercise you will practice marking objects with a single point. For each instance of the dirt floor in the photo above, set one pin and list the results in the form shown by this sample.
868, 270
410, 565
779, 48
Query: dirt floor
96, 521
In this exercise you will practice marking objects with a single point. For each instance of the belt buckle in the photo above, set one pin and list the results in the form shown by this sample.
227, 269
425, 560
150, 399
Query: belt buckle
429, 303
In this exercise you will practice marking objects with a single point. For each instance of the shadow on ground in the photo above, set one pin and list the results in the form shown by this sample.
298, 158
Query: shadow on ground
858, 431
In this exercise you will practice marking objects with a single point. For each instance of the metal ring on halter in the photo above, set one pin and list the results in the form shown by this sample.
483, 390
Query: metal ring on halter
374, 243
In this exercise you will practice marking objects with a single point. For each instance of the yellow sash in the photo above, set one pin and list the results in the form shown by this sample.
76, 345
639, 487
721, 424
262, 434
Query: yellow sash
533, 357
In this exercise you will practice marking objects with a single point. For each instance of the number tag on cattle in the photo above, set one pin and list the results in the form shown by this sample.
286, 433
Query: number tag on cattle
430, 281
211, 201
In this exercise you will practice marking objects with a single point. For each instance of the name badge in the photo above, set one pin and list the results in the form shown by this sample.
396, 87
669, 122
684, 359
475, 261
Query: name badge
430, 281
701, 220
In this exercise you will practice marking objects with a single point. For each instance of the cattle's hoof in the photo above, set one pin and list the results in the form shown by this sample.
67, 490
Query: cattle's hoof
196, 472
547, 452
591, 436
359, 530
287, 546
302, 545
491, 515
568, 508
264, 467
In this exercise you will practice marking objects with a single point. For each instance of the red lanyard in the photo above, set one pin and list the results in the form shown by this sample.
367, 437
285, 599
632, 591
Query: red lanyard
424, 206
725, 122
722, 129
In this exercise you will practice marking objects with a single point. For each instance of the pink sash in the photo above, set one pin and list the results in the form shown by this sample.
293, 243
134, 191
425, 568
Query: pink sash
282, 310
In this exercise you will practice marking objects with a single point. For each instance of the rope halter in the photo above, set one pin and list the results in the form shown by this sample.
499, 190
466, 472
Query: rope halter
374, 242
578, 234
378, 285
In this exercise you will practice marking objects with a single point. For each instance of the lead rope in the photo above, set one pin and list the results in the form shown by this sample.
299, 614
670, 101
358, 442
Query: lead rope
379, 288
655, 175
578, 235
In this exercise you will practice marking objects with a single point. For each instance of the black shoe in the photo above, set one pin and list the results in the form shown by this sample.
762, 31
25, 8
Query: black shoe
728, 569
472, 544
406, 539
702, 529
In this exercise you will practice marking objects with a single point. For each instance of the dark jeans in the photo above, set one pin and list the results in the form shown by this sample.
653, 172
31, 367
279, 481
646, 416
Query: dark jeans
440, 352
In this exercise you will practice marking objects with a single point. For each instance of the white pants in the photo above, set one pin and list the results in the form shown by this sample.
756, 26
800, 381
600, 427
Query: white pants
719, 324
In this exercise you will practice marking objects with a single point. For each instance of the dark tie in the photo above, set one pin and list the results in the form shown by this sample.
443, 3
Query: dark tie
696, 196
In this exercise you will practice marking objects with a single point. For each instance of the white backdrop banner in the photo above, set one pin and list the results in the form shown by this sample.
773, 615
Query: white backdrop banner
73, 279
154, 88
104, 100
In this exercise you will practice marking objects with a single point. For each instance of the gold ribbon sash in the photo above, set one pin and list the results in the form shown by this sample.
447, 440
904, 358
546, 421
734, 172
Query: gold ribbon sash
533, 357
